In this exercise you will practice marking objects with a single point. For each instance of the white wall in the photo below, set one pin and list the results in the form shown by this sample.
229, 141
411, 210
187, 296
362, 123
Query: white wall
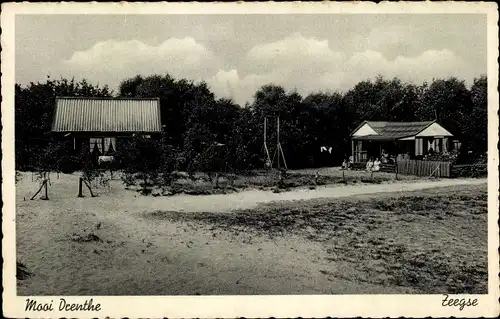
434, 130
365, 130
419, 147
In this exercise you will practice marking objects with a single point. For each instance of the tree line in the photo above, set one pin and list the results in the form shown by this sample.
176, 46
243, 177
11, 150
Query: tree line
202, 130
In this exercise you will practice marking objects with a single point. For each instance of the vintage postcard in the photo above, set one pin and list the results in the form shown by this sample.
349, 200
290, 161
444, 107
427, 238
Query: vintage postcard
222, 160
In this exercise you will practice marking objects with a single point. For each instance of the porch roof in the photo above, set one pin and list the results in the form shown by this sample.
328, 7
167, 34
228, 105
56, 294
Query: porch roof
378, 138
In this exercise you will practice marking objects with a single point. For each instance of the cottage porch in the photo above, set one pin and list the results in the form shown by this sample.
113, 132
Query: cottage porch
392, 141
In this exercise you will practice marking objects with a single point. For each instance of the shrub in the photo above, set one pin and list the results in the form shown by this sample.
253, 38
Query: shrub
128, 179
22, 272
169, 163
472, 170
210, 161
69, 164
143, 156
17, 177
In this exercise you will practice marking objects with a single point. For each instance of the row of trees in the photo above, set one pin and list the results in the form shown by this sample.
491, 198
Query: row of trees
204, 131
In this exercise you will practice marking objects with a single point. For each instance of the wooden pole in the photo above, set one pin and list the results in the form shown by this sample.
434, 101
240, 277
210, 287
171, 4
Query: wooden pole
352, 150
278, 139
265, 130
265, 144
46, 191
90, 189
436, 169
396, 161
80, 190
284, 160
38, 191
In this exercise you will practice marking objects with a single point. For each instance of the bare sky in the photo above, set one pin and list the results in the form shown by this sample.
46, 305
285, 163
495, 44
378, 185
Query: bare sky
236, 54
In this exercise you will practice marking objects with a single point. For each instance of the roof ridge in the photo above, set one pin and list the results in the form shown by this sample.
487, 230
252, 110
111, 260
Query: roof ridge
104, 98
399, 121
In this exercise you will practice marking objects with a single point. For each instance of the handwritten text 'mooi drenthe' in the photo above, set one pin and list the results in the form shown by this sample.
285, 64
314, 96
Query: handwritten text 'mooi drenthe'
63, 305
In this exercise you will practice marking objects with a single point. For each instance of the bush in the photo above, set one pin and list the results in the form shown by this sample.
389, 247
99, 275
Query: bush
22, 272
128, 179
473, 170
210, 161
69, 164
17, 176
170, 161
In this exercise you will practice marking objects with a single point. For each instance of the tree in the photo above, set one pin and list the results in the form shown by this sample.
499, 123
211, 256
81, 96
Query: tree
271, 101
449, 102
34, 110
477, 125
176, 100
329, 125
141, 155
210, 160
45, 161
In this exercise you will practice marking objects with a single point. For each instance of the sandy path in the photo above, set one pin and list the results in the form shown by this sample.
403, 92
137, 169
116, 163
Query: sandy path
139, 256
251, 198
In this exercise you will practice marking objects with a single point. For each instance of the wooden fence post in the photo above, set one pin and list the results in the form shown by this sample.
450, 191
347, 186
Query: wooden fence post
90, 189
39, 190
396, 167
80, 190
46, 191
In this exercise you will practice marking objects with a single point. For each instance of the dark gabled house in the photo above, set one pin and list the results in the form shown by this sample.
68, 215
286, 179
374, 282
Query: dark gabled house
98, 124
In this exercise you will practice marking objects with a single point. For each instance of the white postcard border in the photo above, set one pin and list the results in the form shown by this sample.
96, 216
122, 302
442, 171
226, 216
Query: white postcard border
248, 306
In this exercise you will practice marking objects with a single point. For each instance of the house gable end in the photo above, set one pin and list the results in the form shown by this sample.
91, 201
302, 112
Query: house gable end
434, 130
364, 130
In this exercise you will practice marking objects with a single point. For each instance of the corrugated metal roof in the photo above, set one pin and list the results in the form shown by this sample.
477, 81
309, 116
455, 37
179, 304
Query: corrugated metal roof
106, 115
398, 129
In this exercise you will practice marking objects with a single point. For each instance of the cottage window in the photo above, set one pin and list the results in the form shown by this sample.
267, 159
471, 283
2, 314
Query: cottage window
94, 142
110, 144
104, 145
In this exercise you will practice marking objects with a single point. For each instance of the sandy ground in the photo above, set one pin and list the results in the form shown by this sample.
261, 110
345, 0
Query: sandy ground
116, 198
133, 255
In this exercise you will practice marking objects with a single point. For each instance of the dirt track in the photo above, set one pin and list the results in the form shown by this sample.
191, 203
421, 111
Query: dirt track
252, 198
104, 245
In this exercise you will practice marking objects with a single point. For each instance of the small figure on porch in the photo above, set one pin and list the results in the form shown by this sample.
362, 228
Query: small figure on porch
384, 156
369, 165
376, 165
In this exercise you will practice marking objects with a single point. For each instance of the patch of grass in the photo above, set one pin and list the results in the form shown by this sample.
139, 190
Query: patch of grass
90, 237
433, 242
22, 272
199, 184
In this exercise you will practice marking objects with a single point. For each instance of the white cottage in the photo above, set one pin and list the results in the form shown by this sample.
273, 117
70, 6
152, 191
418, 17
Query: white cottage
412, 139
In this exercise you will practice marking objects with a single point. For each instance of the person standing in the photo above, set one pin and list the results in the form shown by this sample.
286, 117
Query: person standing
376, 165
369, 165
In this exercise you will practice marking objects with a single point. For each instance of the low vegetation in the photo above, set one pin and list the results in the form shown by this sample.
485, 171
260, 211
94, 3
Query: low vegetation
22, 272
433, 243
203, 184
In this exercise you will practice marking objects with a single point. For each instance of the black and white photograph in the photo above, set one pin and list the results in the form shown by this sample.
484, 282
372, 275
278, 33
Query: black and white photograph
206, 153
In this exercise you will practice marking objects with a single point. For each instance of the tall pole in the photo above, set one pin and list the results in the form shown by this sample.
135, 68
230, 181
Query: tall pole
278, 141
266, 150
265, 130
